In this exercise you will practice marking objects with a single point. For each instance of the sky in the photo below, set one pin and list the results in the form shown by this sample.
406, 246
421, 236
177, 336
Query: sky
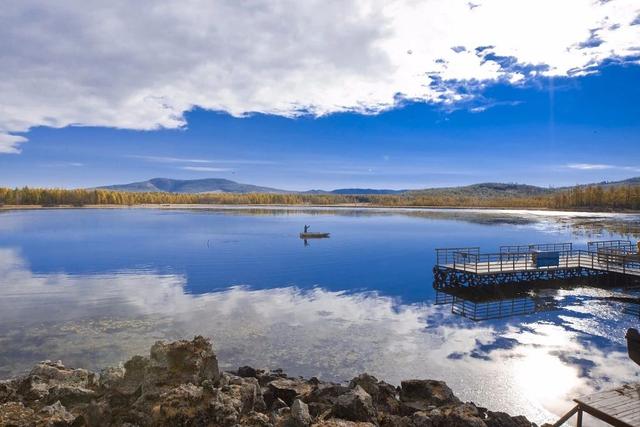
320, 94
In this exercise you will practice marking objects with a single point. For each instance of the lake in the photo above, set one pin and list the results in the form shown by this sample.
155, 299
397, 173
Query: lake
93, 287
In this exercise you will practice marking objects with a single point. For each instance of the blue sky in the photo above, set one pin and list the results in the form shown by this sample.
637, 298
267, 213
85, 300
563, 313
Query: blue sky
571, 130
364, 95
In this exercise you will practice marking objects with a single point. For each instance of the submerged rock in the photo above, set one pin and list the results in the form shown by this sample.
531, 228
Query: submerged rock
179, 383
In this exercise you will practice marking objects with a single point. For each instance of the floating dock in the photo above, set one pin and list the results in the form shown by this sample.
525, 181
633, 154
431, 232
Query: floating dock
468, 267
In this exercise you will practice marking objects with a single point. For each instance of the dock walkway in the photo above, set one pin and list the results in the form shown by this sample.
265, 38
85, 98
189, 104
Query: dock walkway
461, 267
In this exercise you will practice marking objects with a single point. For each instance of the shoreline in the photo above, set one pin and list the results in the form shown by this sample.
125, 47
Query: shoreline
180, 383
363, 206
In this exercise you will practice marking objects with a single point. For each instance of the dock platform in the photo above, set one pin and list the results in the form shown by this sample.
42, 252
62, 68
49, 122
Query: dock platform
468, 267
619, 407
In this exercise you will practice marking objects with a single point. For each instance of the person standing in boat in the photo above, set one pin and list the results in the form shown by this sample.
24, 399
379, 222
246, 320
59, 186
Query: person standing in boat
306, 228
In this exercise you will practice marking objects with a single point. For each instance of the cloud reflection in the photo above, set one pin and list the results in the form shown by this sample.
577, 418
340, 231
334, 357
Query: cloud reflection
533, 366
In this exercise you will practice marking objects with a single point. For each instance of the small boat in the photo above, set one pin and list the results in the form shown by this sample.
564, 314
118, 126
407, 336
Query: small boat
633, 344
314, 235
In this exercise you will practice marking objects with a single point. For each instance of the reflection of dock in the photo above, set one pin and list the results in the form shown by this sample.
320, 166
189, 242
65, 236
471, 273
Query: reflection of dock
467, 267
493, 302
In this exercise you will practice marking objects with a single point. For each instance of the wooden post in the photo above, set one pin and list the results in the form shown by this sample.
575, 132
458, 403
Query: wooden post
579, 422
566, 416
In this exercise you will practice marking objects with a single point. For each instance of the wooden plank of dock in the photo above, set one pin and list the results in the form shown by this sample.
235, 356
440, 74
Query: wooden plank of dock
619, 407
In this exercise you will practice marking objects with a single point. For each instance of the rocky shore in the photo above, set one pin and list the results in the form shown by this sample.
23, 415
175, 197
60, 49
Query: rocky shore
179, 384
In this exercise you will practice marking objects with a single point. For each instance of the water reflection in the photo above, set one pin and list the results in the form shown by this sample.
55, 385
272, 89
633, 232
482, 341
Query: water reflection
586, 224
484, 303
533, 366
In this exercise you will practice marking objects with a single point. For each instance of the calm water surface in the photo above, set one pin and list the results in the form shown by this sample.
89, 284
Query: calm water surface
93, 287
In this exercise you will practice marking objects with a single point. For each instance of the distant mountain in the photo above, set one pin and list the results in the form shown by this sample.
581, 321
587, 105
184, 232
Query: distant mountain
487, 189
191, 186
496, 189
219, 185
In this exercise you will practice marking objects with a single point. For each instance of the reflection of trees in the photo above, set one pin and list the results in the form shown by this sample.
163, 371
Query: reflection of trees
595, 228
488, 218
626, 227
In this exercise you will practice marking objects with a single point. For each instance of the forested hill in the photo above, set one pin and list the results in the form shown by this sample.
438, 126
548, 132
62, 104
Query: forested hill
485, 190
219, 185
594, 197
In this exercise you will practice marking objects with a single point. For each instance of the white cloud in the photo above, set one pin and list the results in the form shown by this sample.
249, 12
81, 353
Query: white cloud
161, 159
589, 166
9, 144
138, 66
601, 166
205, 169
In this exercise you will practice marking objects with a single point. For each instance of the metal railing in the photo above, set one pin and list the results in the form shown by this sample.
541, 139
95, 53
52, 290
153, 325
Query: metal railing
446, 256
543, 247
623, 246
500, 262
482, 263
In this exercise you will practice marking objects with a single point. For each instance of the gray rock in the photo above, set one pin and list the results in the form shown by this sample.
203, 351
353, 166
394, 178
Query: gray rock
300, 414
7, 391
180, 405
326, 393
56, 373
256, 419
111, 376
247, 371
183, 361
16, 414
335, 422
355, 405
319, 409
384, 395
57, 414
288, 389
235, 380
501, 419
251, 396
98, 413
265, 377
368, 382
423, 395
69, 396
461, 415
48, 375
420, 419
278, 404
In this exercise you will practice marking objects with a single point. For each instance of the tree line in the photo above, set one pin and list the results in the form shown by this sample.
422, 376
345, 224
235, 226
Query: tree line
581, 197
